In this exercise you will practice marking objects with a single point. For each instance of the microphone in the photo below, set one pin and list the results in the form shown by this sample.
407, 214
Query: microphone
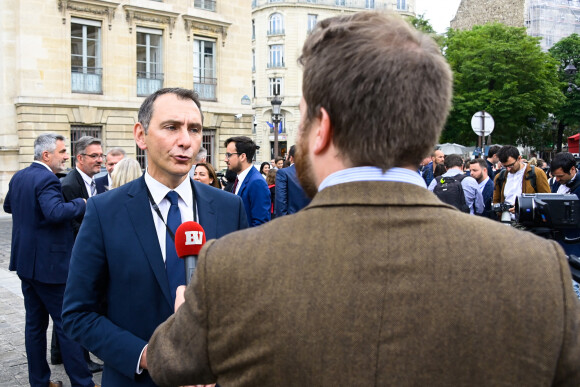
189, 239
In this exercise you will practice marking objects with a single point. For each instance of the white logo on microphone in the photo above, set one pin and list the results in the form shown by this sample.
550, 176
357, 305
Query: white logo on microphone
193, 238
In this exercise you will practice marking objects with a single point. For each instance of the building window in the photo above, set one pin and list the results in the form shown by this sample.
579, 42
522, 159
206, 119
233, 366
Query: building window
253, 60
208, 142
204, 69
85, 48
149, 61
340, 2
276, 86
312, 19
402, 5
370, 4
78, 131
141, 157
205, 4
253, 29
253, 89
276, 56
276, 24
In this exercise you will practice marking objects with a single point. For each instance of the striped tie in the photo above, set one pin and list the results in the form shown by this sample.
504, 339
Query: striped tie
93, 188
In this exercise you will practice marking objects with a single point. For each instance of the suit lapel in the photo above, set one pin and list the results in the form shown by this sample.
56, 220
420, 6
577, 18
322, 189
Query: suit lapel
246, 181
206, 210
81, 184
139, 211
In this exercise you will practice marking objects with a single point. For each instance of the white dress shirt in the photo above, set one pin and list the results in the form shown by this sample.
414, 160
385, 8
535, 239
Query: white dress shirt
513, 185
88, 180
241, 178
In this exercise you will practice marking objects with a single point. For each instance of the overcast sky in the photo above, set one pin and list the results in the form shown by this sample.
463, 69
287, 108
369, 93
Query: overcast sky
438, 12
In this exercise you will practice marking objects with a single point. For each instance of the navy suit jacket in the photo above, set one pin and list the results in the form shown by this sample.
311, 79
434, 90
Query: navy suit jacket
487, 200
256, 197
73, 187
102, 183
290, 197
118, 292
42, 237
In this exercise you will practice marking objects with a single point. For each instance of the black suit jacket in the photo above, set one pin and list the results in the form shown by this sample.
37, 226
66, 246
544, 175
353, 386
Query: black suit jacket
73, 187
102, 183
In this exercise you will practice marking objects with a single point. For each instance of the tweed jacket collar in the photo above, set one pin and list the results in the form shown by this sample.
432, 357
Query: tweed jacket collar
376, 193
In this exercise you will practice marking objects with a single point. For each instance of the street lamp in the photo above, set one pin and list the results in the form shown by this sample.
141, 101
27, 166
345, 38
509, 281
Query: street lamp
276, 107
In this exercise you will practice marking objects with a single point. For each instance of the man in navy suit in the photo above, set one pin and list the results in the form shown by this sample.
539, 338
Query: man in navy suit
290, 197
42, 240
478, 170
249, 185
118, 289
114, 155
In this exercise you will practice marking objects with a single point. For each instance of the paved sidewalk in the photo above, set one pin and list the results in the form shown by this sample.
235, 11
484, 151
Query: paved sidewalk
13, 364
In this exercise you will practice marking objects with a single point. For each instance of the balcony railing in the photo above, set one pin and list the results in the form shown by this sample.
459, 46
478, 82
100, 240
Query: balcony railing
205, 88
358, 4
276, 65
205, 4
277, 31
87, 80
148, 83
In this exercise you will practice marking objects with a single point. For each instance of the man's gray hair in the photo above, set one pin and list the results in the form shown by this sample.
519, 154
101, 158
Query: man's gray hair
118, 151
83, 142
202, 154
46, 142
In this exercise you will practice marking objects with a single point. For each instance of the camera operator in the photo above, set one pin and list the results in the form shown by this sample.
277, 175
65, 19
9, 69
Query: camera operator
564, 170
518, 177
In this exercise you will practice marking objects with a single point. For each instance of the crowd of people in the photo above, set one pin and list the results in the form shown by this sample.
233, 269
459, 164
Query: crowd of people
363, 290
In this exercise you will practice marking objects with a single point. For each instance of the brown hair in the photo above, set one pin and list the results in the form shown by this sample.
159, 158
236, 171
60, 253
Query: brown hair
385, 86
271, 176
212, 174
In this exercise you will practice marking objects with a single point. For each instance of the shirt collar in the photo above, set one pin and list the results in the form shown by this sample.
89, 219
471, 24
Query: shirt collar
41, 163
484, 182
88, 180
243, 175
349, 175
159, 190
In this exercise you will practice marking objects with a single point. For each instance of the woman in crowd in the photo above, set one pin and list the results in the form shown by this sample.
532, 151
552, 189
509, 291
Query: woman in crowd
271, 181
125, 171
264, 168
205, 173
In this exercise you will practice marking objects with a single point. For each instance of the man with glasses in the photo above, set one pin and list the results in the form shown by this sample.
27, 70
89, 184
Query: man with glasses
517, 178
249, 185
80, 183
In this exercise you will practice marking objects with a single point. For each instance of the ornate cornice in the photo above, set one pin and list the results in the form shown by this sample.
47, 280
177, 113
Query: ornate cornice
133, 13
94, 7
200, 24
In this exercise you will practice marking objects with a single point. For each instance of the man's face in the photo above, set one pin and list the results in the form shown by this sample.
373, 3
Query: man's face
233, 161
56, 160
172, 140
439, 157
512, 165
477, 172
112, 160
304, 167
280, 164
564, 178
90, 160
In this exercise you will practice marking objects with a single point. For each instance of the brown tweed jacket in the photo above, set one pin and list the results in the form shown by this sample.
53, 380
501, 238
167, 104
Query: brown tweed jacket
375, 284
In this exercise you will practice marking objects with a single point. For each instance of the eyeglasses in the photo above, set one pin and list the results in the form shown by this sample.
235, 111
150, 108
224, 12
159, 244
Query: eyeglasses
510, 165
228, 155
94, 156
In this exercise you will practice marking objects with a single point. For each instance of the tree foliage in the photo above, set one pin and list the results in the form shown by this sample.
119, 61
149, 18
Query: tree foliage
503, 71
567, 51
423, 25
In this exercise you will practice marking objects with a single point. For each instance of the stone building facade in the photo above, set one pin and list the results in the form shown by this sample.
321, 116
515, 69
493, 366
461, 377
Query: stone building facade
279, 29
78, 67
477, 12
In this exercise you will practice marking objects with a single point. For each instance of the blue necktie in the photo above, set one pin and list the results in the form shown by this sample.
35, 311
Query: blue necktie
174, 266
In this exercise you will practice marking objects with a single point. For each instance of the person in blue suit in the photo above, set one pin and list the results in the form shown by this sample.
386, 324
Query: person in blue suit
479, 171
290, 197
42, 240
121, 284
249, 185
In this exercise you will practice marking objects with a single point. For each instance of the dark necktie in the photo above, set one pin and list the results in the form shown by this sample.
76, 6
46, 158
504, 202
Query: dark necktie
235, 185
174, 266
93, 188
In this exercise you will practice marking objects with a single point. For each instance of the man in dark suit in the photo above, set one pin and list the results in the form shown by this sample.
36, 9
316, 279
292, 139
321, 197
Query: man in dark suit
42, 241
79, 182
290, 197
123, 266
369, 295
114, 155
478, 169
249, 184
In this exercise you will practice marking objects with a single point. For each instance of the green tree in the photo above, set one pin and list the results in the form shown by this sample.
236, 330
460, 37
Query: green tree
567, 51
423, 25
503, 71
